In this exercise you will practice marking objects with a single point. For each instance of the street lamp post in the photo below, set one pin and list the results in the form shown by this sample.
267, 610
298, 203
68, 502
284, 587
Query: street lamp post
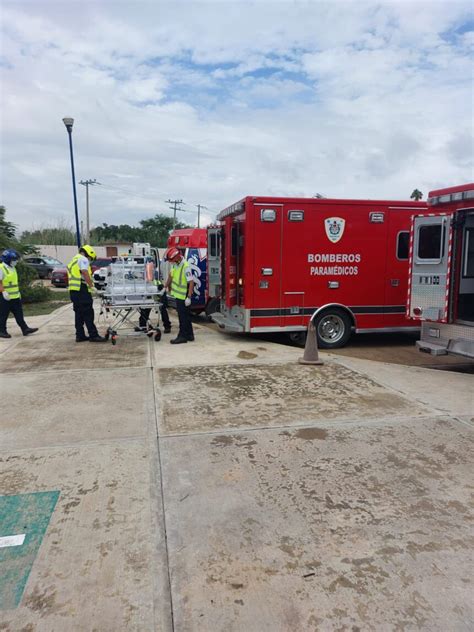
69, 122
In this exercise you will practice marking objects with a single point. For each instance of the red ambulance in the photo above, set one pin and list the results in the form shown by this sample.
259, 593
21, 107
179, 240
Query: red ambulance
193, 243
343, 263
441, 282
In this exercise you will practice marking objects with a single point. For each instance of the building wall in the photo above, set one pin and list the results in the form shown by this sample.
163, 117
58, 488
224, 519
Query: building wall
66, 253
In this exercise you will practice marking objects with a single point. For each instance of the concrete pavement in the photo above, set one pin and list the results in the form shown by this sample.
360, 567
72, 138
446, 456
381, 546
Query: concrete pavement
220, 486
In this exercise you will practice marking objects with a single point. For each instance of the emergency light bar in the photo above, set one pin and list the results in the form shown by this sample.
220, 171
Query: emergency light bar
451, 197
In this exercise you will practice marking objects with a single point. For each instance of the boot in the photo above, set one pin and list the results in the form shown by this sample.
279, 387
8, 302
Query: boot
29, 330
4, 334
178, 341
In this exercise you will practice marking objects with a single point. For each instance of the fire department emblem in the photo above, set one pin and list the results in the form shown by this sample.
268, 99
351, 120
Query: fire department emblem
334, 228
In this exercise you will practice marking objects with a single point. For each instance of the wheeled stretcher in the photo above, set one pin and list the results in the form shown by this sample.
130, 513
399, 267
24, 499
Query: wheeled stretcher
130, 287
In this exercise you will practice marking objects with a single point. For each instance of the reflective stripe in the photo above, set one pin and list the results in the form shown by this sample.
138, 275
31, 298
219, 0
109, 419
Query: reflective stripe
179, 285
10, 281
74, 275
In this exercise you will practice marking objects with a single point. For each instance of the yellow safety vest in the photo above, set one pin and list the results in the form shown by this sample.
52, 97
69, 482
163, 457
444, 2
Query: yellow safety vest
179, 285
74, 275
10, 281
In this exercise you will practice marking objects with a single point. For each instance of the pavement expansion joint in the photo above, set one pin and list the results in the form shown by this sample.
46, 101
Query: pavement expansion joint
337, 423
9, 449
156, 414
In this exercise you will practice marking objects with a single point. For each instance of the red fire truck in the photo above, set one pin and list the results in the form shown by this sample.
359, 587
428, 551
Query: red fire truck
441, 283
343, 263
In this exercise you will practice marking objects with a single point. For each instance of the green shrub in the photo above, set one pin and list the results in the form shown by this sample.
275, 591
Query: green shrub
31, 293
36, 294
26, 274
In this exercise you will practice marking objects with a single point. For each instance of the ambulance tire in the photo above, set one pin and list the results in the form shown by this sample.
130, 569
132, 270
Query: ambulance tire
214, 305
333, 328
298, 338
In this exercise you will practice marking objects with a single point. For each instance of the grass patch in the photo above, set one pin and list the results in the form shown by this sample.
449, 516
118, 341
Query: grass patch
46, 307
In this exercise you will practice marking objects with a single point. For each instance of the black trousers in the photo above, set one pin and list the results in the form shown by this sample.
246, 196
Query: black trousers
163, 307
15, 307
83, 312
185, 324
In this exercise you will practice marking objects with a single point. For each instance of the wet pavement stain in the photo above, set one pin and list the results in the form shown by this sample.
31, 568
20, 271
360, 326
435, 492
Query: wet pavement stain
247, 355
256, 395
312, 433
331, 523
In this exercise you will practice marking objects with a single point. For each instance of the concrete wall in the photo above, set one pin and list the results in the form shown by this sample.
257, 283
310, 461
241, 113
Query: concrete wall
66, 253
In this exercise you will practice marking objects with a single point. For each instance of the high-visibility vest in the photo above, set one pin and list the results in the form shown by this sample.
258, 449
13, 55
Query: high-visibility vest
179, 285
10, 281
74, 275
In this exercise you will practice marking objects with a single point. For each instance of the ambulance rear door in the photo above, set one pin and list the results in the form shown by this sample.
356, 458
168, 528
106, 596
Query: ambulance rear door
465, 301
430, 278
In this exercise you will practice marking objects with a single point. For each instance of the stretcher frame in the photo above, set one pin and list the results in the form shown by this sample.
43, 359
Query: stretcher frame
127, 291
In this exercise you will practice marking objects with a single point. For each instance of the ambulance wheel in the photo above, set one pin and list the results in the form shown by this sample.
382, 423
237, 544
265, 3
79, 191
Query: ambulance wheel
298, 338
213, 306
333, 328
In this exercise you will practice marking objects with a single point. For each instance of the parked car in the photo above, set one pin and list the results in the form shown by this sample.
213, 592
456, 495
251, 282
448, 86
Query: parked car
99, 277
44, 266
59, 276
102, 262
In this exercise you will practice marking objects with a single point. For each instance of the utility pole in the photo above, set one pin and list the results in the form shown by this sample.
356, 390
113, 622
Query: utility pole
86, 183
199, 207
175, 208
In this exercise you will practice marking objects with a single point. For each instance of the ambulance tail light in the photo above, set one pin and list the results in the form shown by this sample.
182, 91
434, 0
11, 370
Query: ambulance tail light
417, 311
240, 291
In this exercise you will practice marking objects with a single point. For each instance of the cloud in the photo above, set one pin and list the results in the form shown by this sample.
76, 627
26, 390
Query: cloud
211, 101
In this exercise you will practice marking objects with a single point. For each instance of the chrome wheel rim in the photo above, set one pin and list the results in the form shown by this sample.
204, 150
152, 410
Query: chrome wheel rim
331, 328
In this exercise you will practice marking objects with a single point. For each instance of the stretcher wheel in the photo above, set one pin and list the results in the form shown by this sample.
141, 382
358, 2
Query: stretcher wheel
149, 333
107, 335
114, 340
158, 335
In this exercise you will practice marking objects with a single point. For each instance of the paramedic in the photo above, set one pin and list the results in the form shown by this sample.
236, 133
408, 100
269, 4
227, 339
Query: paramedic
79, 275
10, 297
180, 281
163, 307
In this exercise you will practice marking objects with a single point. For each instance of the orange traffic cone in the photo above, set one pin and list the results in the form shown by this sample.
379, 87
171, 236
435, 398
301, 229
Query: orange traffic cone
311, 355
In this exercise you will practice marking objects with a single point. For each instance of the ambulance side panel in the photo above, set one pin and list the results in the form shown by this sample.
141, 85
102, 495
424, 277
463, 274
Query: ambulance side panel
316, 270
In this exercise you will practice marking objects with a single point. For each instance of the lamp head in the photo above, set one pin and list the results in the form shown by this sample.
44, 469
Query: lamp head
68, 122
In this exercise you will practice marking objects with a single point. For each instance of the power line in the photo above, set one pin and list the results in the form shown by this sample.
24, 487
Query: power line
141, 197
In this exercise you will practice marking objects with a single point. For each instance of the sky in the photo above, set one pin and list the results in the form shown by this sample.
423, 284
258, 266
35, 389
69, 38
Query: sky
208, 102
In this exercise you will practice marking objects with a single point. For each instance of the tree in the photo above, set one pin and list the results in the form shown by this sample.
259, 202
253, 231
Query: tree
7, 231
156, 230
26, 274
49, 237
108, 233
416, 195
